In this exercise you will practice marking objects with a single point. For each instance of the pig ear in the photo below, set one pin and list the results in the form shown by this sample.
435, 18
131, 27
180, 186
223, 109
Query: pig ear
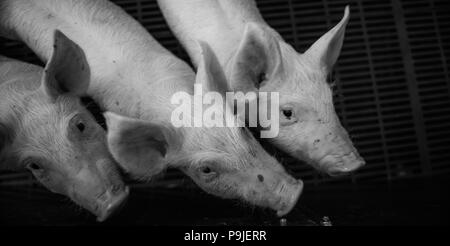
67, 71
138, 146
325, 51
209, 72
257, 60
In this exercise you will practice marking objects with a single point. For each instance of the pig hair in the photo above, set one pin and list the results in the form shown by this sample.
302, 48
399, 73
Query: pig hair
35, 127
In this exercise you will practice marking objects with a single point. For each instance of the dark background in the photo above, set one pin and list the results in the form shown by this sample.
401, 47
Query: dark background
392, 94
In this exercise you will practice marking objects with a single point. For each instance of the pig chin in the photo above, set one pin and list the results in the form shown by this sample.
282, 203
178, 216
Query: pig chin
338, 165
282, 200
104, 204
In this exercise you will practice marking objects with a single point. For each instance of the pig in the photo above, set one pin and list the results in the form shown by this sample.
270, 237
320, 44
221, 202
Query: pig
45, 129
256, 58
134, 78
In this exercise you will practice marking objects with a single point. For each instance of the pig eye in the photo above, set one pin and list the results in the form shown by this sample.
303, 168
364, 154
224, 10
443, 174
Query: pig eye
37, 169
287, 113
33, 166
261, 78
206, 170
81, 126
207, 173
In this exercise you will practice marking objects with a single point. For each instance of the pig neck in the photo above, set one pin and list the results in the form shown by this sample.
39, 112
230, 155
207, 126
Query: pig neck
220, 23
131, 73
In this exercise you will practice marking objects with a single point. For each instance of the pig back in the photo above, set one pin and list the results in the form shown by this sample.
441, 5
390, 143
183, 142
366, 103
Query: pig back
12, 71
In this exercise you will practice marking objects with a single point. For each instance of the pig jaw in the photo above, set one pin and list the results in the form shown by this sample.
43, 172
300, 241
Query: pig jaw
105, 204
338, 165
290, 196
260, 187
110, 202
281, 199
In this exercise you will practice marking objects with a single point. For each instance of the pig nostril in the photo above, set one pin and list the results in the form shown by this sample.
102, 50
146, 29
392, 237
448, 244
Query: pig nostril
260, 178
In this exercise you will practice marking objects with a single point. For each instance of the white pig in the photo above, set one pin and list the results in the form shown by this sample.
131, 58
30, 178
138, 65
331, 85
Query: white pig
134, 76
44, 128
256, 58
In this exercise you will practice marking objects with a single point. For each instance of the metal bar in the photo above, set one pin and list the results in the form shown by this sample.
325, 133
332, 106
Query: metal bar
412, 85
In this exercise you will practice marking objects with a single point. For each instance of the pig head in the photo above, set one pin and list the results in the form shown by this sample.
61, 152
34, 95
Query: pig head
309, 127
46, 129
224, 161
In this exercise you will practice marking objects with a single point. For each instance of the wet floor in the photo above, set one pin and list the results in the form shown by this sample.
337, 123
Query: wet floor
416, 202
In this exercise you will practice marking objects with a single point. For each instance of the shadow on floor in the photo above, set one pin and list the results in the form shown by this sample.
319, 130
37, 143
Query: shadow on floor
414, 202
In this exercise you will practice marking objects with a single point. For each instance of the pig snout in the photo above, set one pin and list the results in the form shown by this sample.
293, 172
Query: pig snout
334, 153
100, 189
103, 203
338, 165
110, 201
115, 193
281, 195
289, 194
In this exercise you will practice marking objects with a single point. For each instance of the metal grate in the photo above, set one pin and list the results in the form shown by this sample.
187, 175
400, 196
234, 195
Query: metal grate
392, 78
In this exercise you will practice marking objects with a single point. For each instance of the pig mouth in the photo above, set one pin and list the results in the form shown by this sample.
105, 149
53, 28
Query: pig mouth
105, 204
287, 204
284, 199
340, 164
112, 204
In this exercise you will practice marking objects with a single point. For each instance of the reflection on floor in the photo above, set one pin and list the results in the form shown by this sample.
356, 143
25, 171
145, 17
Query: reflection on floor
404, 203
